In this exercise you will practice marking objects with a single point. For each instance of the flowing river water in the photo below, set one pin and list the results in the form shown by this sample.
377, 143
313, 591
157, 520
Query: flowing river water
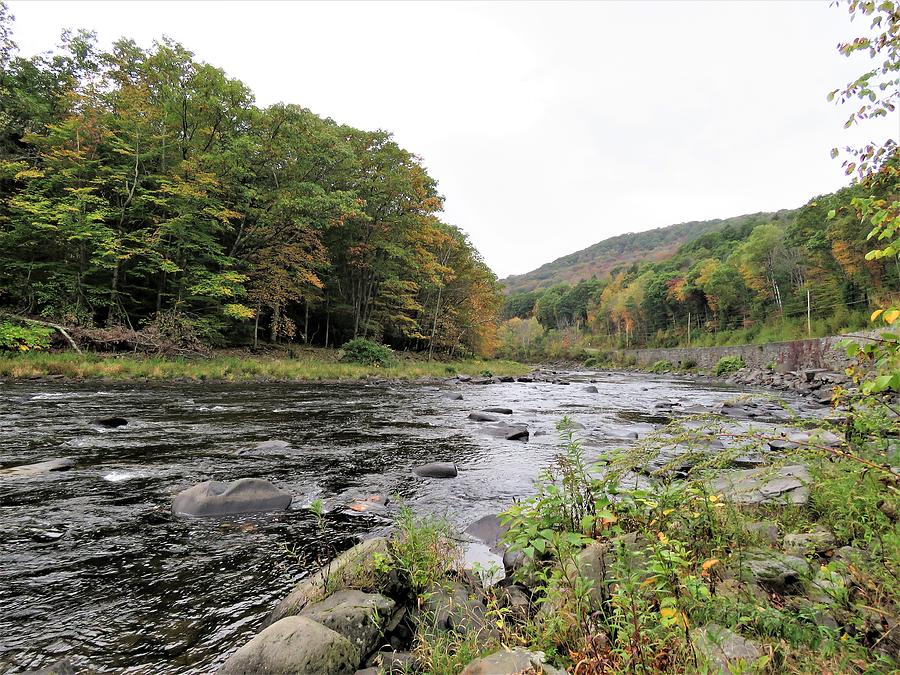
95, 568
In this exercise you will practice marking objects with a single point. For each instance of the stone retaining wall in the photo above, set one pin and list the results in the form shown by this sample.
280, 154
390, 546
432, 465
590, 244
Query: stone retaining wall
795, 355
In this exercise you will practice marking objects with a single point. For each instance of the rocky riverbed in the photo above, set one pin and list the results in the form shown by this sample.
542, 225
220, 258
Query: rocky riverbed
97, 569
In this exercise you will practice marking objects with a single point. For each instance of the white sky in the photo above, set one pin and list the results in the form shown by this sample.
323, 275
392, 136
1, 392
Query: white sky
548, 126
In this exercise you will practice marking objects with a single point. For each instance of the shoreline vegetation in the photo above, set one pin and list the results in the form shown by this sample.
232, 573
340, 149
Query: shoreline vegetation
696, 566
310, 364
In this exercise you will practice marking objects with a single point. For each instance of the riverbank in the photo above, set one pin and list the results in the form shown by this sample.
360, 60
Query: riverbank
305, 365
730, 551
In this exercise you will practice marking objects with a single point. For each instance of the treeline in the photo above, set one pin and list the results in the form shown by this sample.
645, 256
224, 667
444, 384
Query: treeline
142, 187
771, 275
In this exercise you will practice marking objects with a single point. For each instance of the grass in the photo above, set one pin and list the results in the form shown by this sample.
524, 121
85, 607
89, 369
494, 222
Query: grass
309, 365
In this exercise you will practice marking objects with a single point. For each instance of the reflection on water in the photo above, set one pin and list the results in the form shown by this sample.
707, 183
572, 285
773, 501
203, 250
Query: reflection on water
94, 567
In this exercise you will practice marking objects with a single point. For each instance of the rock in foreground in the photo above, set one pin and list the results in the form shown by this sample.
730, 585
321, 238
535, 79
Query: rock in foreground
214, 498
350, 568
295, 644
723, 650
513, 662
359, 617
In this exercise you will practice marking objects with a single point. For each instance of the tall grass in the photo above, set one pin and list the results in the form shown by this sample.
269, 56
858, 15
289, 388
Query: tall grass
234, 368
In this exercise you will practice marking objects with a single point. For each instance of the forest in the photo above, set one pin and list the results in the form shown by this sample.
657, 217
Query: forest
143, 191
784, 275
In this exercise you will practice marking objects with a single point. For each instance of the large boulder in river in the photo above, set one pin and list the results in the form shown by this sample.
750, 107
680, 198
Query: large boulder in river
436, 470
26, 470
499, 410
295, 644
510, 432
214, 498
483, 417
110, 422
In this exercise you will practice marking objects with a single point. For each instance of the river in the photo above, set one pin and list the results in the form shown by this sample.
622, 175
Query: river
94, 567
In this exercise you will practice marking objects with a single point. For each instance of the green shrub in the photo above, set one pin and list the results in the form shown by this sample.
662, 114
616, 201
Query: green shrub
360, 350
729, 364
689, 364
661, 366
24, 338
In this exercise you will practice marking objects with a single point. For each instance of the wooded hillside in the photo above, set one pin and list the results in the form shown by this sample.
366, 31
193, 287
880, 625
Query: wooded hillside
602, 258
791, 273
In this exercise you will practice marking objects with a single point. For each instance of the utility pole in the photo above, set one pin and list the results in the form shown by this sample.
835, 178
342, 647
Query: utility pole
689, 329
808, 315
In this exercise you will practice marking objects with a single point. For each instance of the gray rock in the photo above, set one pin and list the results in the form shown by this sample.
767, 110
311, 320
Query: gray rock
509, 432
591, 389
515, 599
724, 651
360, 617
454, 607
525, 379
437, 470
483, 417
513, 662
784, 574
786, 485
488, 529
765, 529
513, 561
354, 567
110, 422
61, 667
396, 662
819, 540
455, 396
214, 498
27, 470
295, 644
826, 587
498, 410
849, 554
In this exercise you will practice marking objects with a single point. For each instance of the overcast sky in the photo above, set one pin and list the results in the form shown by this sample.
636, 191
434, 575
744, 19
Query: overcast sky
548, 126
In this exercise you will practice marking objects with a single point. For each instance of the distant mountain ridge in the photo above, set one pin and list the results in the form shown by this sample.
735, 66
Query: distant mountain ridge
624, 249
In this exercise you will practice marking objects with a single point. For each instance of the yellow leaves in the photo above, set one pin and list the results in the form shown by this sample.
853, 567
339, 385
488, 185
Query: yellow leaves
29, 173
707, 564
238, 311
666, 512
889, 316
671, 615
662, 537
714, 498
